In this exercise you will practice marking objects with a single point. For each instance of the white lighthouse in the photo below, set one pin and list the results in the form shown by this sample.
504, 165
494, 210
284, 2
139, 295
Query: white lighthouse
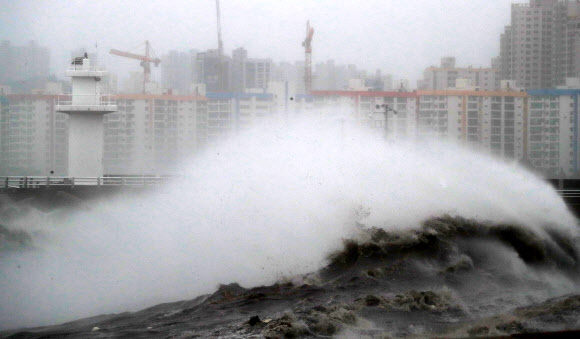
86, 107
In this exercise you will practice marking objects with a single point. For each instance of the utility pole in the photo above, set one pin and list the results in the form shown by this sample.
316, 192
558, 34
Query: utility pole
386, 111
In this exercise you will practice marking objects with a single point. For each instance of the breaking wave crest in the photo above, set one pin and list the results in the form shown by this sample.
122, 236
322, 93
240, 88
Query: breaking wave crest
449, 240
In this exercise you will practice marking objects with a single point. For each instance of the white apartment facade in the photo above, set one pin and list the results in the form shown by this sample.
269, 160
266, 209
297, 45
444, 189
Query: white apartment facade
553, 131
493, 121
367, 108
446, 76
228, 113
33, 136
150, 133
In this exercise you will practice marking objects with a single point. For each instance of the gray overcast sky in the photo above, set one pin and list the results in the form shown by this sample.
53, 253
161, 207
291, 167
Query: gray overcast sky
401, 37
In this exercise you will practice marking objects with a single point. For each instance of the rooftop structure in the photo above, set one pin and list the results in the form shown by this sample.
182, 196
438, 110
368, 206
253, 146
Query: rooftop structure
446, 75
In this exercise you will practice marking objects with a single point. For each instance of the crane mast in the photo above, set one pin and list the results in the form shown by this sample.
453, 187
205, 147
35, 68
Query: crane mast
219, 29
146, 61
307, 44
221, 84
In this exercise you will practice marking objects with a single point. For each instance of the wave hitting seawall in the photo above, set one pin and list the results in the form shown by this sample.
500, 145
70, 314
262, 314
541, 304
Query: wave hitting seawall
268, 206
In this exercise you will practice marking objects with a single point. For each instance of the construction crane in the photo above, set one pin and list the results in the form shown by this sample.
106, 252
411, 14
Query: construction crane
307, 44
221, 84
146, 61
219, 29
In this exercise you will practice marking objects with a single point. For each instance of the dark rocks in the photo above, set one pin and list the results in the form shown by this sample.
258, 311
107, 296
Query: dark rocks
254, 320
425, 301
285, 327
511, 327
227, 293
371, 300
478, 331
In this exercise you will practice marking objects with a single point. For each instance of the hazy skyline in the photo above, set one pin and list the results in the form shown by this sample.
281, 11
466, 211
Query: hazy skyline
401, 38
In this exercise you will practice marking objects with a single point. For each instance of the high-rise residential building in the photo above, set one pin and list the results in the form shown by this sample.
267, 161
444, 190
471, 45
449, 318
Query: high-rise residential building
228, 113
24, 67
249, 73
293, 73
239, 57
257, 73
33, 136
361, 107
178, 71
213, 71
445, 76
325, 76
380, 82
150, 133
492, 121
553, 131
328, 76
541, 46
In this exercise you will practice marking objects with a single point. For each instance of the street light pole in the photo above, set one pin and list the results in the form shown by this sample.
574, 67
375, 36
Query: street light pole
386, 113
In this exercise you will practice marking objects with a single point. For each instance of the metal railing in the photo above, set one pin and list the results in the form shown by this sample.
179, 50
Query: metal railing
85, 100
569, 193
83, 64
34, 182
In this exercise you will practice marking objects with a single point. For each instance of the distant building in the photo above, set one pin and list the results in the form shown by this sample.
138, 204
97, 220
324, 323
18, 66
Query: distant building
33, 136
541, 46
293, 73
489, 120
446, 75
249, 73
150, 133
134, 84
213, 71
380, 82
553, 129
361, 107
228, 113
178, 71
24, 68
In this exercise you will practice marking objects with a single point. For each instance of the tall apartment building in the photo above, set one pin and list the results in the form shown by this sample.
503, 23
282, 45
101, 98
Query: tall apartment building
553, 131
178, 71
330, 76
24, 67
249, 73
33, 136
541, 46
228, 113
209, 71
361, 107
446, 75
150, 133
493, 121
381, 82
293, 73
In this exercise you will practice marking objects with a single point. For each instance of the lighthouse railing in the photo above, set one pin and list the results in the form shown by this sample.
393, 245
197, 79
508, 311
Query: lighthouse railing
46, 182
85, 100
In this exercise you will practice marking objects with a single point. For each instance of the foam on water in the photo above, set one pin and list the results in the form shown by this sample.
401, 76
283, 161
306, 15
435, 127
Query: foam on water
269, 203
